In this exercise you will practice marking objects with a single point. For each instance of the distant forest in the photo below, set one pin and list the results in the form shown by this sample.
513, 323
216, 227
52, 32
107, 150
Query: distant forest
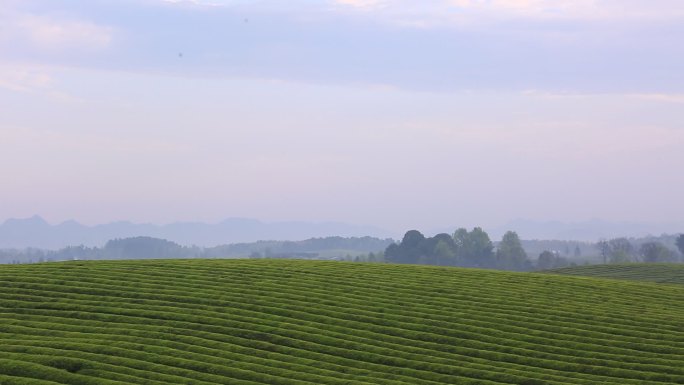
475, 249
464, 248
154, 248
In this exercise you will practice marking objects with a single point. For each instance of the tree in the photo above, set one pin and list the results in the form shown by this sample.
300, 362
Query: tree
510, 254
412, 239
549, 260
604, 249
393, 253
620, 250
409, 250
578, 252
474, 248
680, 244
460, 238
546, 260
443, 251
654, 252
416, 248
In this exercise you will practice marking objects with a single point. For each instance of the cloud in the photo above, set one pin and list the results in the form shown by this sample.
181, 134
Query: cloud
200, 3
58, 34
441, 13
431, 45
24, 79
656, 97
52, 32
667, 98
634, 10
529, 7
35, 80
365, 4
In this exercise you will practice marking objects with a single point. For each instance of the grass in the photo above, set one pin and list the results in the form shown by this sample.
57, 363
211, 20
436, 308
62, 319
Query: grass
655, 272
315, 322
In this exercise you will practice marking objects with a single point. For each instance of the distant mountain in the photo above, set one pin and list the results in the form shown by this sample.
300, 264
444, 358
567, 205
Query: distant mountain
36, 232
589, 231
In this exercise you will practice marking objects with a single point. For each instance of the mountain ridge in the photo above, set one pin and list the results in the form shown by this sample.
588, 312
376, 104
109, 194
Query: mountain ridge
37, 233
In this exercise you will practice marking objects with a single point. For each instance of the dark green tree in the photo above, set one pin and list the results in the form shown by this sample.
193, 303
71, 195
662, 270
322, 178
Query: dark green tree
443, 250
474, 248
412, 239
409, 250
549, 260
510, 254
445, 254
394, 253
460, 239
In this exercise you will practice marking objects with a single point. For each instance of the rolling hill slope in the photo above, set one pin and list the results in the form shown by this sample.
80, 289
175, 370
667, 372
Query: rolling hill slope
650, 272
313, 322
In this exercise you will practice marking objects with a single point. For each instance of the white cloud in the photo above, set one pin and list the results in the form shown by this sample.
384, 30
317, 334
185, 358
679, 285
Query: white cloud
52, 33
24, 79
530, 7
366, 4
429, 13
667, 98
200, 3
656, 97
633, 10
35, 80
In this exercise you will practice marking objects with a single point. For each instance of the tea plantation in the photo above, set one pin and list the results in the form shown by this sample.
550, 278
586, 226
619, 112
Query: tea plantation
313, 322
656, 272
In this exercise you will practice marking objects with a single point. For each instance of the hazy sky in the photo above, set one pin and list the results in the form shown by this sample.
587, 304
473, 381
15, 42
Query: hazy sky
396, 113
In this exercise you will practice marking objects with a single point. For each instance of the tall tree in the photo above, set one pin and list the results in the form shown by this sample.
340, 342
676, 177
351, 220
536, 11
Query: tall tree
653, 252
444, 254
444, 250
680, 245
604, 249
620, 250
510, 254
412, 239
409, 250
474, 248
549, 260
394, 253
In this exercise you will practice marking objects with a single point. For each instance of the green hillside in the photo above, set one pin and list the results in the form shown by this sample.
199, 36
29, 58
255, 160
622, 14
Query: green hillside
313, 322
660, 272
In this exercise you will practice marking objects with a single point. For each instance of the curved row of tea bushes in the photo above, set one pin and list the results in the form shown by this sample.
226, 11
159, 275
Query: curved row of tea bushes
314, 322
652, 272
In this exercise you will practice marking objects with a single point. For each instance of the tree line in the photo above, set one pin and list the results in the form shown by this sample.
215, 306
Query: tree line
154, 248
474, 248
622, 250
464, 248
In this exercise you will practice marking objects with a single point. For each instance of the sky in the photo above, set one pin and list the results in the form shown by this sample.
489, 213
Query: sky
393, 113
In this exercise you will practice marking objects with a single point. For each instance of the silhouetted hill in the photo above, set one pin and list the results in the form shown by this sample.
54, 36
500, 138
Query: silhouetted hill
36, 232
143, 247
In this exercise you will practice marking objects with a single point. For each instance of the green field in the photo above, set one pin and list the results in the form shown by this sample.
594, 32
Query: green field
655, 272
314, 322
